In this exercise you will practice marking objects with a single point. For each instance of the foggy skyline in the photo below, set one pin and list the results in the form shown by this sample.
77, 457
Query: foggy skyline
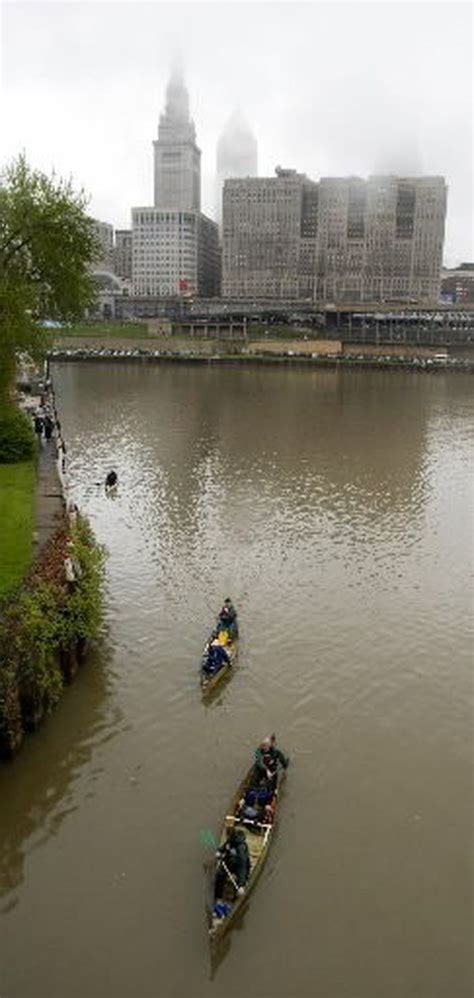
328, 89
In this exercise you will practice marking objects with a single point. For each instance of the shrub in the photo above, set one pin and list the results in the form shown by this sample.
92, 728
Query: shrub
83, 611
17, 438
48, 619
11, 727
38, 673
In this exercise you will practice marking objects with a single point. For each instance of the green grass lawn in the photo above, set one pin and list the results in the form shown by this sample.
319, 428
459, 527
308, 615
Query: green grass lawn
17, 496
129, 330
257, 330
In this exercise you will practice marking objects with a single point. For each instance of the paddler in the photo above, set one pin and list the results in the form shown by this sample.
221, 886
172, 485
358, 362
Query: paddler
267, 760
234, 855
228, 617
217, 656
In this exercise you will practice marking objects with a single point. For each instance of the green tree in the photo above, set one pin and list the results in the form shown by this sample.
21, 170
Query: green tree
47, 243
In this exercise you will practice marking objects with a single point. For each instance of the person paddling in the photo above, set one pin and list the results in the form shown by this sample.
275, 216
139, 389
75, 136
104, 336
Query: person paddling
228, 617
111, 480
267, 760
233, 862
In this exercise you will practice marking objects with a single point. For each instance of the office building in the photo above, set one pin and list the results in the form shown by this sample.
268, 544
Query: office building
175, 248
342, 239
123, 253
457, 284
380, 239
269, 230
104, 232
174, 253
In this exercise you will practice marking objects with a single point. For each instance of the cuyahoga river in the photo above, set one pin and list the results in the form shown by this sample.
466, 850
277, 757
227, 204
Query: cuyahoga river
335, 508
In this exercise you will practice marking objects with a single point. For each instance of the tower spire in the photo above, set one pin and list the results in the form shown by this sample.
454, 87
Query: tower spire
177, 97
177, 158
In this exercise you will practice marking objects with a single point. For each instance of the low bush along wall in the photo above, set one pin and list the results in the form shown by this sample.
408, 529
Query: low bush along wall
17, 438
43, 633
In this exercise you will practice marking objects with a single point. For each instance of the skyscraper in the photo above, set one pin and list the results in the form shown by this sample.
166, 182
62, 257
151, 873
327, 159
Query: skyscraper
175, 248
177, 157
236, 155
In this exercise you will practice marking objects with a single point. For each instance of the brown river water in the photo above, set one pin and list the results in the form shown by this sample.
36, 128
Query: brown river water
335, 508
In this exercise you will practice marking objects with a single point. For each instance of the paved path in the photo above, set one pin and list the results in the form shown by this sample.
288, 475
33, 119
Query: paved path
49, 502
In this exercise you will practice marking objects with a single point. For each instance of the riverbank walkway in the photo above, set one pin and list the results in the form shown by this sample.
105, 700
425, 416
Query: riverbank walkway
49, 507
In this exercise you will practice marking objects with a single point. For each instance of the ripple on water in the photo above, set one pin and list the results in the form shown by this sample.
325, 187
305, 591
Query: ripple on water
334, 510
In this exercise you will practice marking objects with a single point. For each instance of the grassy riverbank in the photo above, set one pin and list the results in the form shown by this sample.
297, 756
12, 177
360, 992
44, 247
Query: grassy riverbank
139, 330
106, 330
17, 491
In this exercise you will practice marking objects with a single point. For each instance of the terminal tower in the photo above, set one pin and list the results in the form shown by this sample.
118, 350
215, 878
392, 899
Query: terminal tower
177, 157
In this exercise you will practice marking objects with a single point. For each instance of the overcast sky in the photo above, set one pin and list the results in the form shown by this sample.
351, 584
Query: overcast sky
329, 88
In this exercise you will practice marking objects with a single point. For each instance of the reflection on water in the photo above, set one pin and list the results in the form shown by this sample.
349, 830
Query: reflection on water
38, 789
334, 508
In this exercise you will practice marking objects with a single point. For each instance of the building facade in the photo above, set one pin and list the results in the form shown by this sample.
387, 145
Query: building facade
380, 239
174, 253
177, 157
104, 232
175, 248
342, 239
457, 284
269, 226
123, 253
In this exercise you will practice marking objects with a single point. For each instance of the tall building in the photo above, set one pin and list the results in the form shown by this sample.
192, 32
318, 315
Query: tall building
343, 239
177, 157
380, 239
105, 235
175, 248
123, 253
269, 230
236, 155
174, 253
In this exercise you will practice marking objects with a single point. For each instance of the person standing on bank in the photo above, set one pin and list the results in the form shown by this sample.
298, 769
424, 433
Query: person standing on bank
48, 427
39, 425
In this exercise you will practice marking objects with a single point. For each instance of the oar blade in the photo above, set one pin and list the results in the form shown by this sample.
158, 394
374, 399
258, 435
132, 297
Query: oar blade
207, 838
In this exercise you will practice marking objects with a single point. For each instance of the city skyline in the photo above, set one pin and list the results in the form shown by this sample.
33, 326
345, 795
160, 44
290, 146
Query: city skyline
79, 100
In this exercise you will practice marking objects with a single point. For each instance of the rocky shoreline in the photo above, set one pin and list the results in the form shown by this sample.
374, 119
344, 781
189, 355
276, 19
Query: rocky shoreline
358, 361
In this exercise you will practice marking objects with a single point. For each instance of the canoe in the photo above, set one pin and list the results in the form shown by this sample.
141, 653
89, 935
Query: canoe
258, 835
209, 682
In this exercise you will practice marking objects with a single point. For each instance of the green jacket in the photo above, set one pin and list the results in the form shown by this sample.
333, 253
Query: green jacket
269, 760
236, 857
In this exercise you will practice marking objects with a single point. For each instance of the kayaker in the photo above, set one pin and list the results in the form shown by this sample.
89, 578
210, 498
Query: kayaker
267, 759
234, 854
111, 480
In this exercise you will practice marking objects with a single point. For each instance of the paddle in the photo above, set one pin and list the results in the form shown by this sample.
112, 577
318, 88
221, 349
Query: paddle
208, 840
